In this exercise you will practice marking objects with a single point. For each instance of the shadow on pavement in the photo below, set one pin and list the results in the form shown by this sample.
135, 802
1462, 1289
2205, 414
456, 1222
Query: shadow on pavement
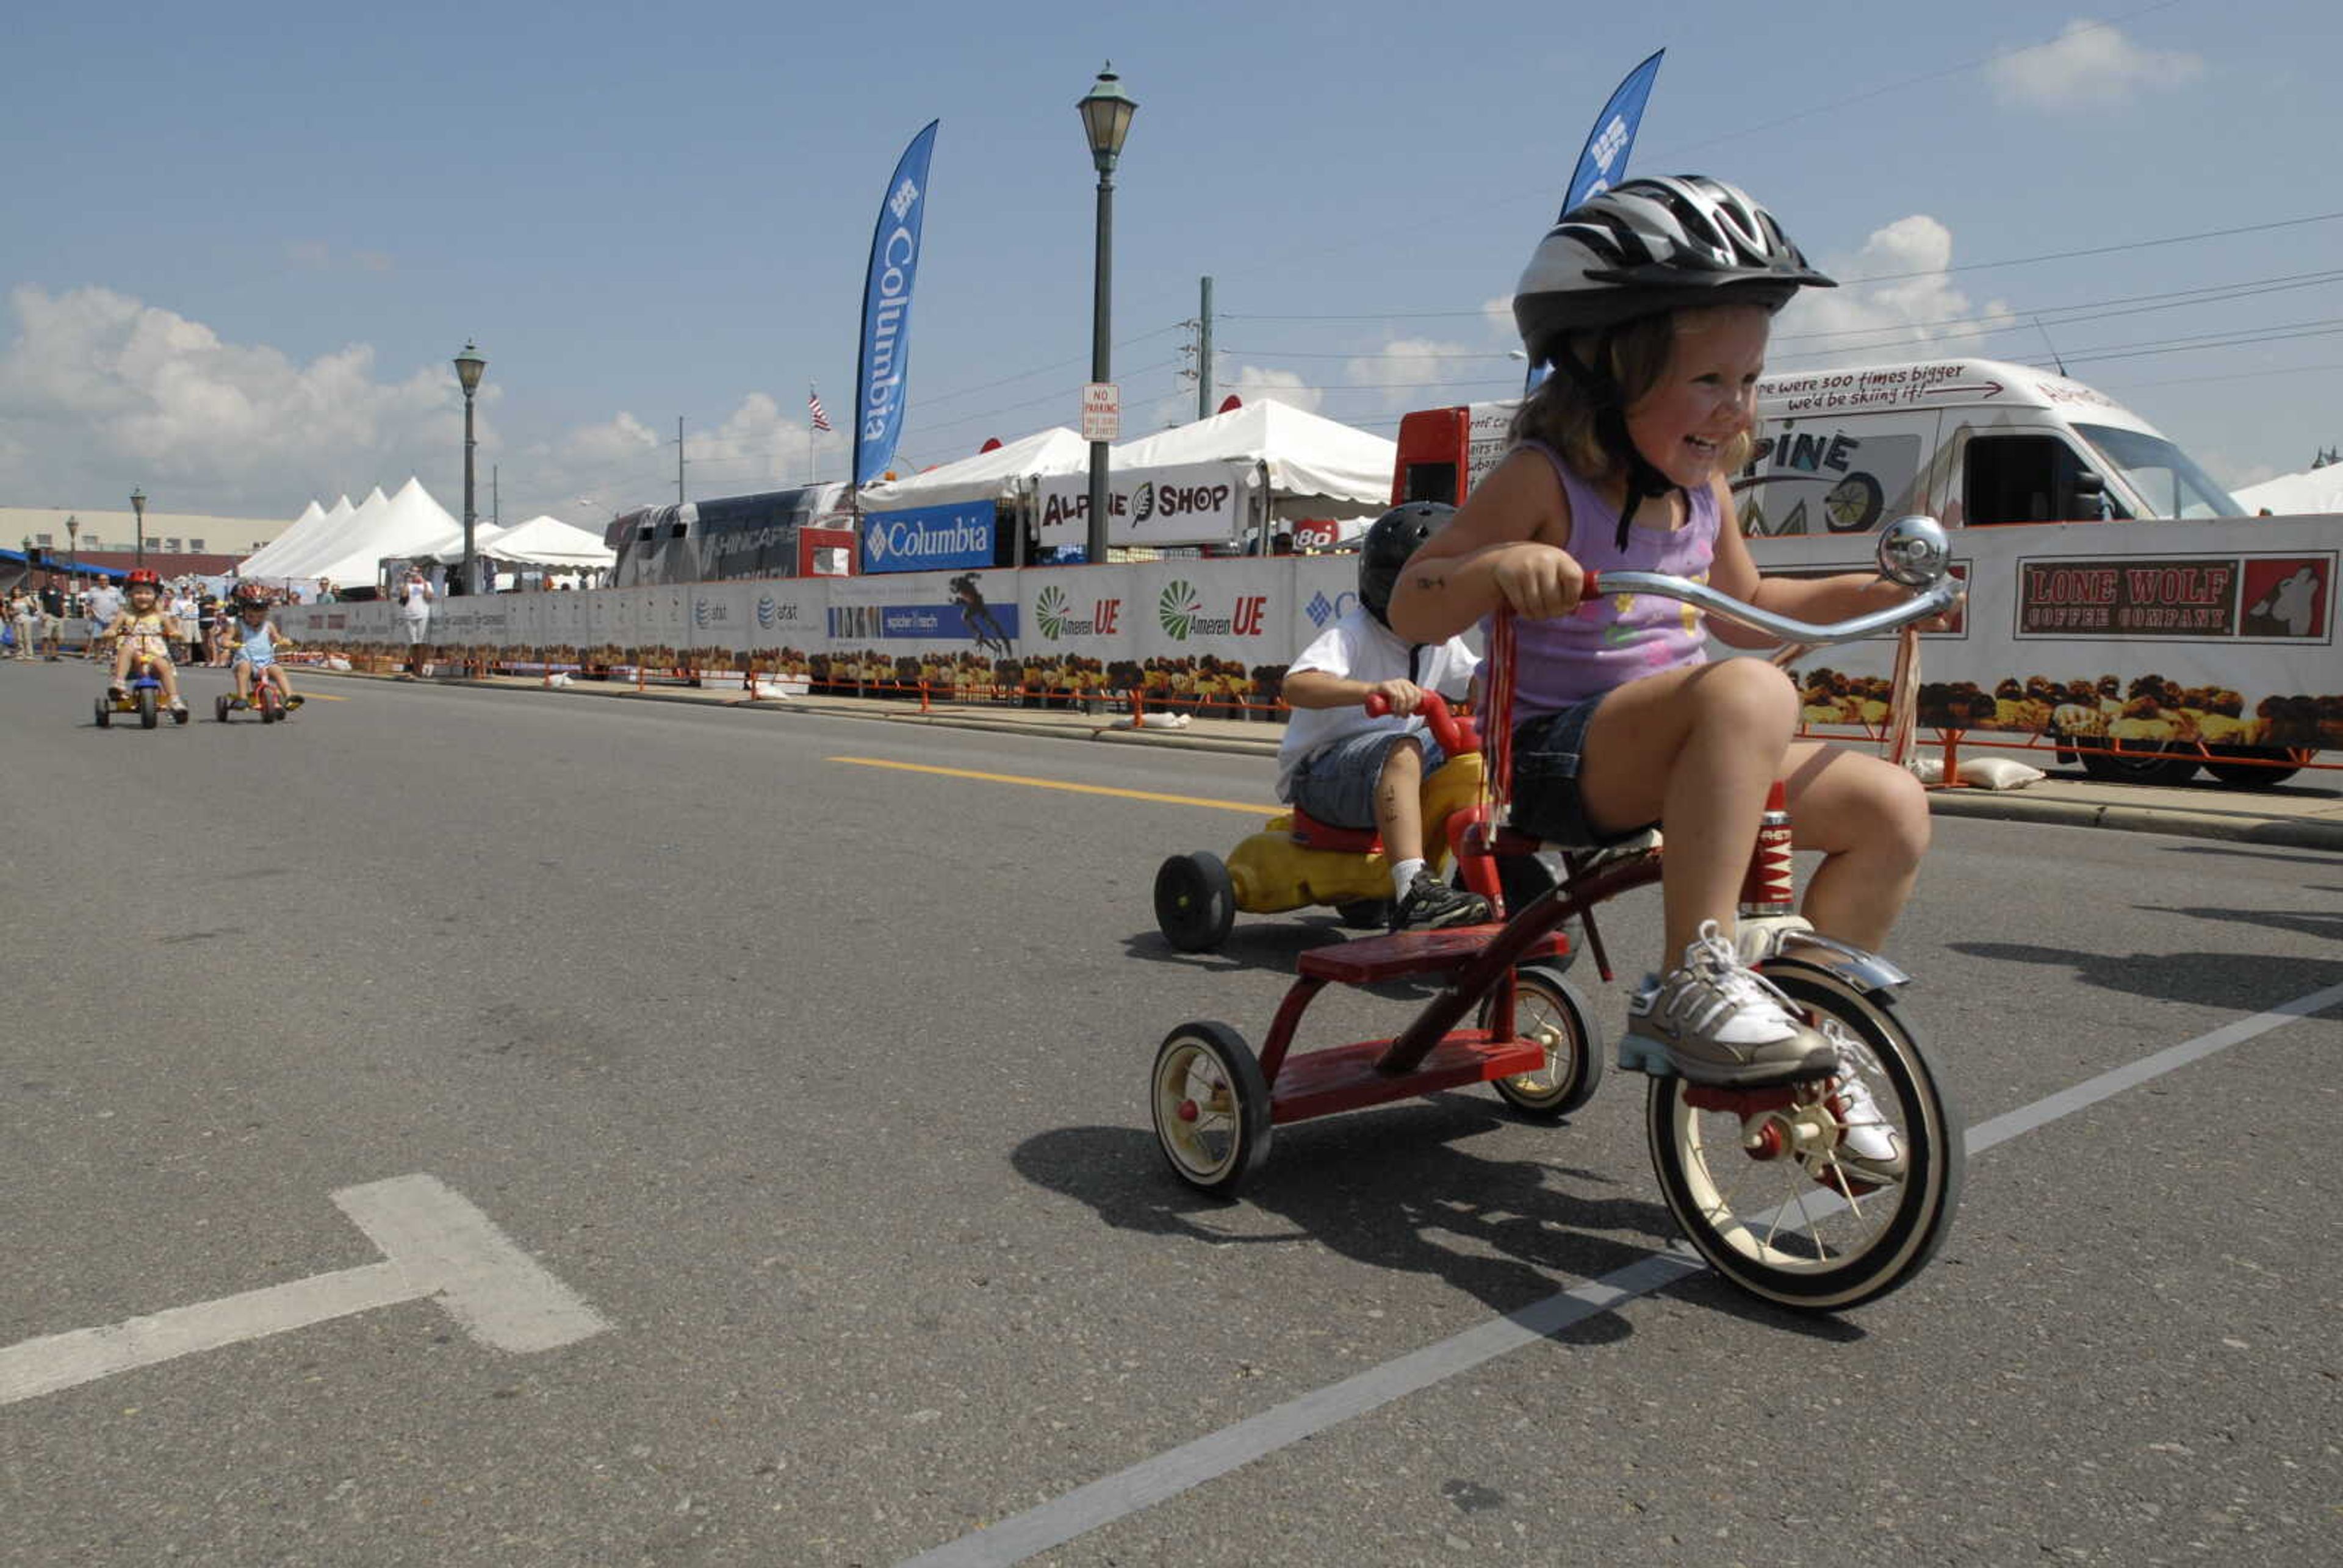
2238, 982
1392, 1190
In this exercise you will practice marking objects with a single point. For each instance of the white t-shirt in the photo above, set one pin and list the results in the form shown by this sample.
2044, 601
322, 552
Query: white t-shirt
419, 600
103, 604
1360, 647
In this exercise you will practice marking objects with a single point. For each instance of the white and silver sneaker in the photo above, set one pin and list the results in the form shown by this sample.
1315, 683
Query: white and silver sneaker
1710, 1021
1870, 1146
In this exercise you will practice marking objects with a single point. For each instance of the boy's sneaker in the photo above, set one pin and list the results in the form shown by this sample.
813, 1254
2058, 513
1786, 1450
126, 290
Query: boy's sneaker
1431, 904
239, 703
1869, 1145
1712, 1022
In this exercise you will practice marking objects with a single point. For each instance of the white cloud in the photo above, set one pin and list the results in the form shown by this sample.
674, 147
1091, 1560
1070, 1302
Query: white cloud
102, 390
2089, 65
1915, 310
1258, 383
99, 391
1421, 372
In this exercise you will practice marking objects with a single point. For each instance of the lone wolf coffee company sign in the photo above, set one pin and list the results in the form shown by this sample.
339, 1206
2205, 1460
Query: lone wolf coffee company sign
928, 538
2194, 596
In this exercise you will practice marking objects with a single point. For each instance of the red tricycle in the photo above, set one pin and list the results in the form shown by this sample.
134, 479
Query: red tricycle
1756, 1177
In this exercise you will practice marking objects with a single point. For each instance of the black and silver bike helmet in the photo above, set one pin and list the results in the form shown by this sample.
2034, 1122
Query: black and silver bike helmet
1653, 245
1642, 248
1390, 539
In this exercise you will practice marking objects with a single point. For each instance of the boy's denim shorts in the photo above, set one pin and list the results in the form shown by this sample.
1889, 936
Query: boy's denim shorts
1546, 800
1337, 786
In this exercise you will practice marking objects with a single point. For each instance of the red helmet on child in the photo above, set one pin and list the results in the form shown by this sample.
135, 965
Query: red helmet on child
247, 594
143, 577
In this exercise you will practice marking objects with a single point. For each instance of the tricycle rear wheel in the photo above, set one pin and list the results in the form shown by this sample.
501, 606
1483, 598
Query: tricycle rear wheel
1547, 1011
1211, 1106
146, 714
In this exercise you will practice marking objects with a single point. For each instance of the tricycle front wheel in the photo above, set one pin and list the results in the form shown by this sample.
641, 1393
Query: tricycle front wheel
1772, 1187
1211, 1106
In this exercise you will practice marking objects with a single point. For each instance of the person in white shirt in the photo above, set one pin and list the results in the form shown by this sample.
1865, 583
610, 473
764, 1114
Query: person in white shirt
1347, 769
415, 597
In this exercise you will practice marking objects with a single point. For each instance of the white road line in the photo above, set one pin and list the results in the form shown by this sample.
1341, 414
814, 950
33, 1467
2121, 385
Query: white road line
436, 1244
1165, 1476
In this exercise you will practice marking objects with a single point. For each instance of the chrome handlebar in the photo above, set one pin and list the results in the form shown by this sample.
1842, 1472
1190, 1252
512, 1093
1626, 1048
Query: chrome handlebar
1912, 551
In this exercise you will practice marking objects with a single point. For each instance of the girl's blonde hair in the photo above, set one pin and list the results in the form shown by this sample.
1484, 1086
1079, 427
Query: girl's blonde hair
1633, 354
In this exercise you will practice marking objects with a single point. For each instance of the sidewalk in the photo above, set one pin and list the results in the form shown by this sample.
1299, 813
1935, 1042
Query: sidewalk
2305, 813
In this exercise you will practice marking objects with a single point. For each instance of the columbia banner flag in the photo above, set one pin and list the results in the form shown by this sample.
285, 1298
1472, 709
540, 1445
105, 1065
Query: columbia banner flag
1604, 159
886, 347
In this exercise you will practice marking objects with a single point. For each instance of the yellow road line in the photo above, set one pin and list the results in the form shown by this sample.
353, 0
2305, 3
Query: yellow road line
321, 697
1056, 784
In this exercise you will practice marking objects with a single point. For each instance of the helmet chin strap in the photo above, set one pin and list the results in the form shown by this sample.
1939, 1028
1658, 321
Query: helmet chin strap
1644, 480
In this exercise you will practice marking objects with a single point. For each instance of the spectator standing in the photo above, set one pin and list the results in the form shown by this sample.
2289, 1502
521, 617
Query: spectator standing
25, 613
415, 597
54, 605
207, 610
184, 611
100, 604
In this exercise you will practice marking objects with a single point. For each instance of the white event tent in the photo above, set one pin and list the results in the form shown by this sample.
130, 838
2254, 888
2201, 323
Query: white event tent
315, 523
2315, 494
1317, 466
996, 474
541, 544
350, 551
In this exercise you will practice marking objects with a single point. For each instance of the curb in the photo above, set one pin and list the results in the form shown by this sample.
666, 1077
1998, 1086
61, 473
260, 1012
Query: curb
2235, 827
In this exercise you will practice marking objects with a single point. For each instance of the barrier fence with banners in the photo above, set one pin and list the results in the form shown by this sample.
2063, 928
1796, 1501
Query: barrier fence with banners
2213, 639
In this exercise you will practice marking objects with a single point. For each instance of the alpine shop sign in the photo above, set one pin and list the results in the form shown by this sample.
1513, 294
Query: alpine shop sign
929, 538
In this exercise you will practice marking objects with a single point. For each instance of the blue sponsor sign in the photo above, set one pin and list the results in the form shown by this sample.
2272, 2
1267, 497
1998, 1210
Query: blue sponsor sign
953, 621
929, 538
886, 348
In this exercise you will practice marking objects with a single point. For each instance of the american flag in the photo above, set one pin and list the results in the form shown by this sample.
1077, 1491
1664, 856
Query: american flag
813, 406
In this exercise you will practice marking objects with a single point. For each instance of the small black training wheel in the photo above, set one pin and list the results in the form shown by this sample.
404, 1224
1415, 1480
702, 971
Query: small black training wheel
1195, 902
1211, 1106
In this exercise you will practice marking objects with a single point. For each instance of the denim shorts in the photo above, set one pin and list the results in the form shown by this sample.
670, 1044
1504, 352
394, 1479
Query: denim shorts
1546, 754
1337, 786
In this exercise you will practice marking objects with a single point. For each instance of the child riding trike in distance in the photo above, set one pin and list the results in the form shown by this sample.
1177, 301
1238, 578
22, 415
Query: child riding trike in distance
142, 634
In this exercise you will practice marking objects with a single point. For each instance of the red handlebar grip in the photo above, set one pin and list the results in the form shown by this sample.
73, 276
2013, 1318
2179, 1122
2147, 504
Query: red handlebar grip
1444, 726
1590, 591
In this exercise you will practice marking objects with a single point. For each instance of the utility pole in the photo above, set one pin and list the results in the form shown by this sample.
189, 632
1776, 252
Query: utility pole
678, 460
496, 500
1205, 355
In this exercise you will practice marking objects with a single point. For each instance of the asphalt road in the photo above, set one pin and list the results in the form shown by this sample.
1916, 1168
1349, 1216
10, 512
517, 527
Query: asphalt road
813, 1085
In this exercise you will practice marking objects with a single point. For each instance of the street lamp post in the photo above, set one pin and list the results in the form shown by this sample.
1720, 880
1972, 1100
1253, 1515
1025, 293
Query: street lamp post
138, 514
73, 546
1106, 112
468, 365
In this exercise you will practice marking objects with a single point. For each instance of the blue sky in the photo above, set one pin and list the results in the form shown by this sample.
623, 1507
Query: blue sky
246, 239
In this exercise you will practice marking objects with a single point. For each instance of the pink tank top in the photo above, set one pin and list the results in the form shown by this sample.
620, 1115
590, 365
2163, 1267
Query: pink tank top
1562, 662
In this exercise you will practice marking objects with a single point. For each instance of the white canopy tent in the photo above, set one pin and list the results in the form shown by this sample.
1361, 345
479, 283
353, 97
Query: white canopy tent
409, 523
1317, 467
542, 543
988, 476
314, 524
2315, 494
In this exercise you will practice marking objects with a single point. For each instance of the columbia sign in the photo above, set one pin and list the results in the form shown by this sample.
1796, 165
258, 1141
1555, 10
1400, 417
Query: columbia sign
928, 538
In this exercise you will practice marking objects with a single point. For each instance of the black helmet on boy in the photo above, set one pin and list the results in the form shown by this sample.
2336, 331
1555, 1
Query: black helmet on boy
1393, 537
1641, 248
251, 595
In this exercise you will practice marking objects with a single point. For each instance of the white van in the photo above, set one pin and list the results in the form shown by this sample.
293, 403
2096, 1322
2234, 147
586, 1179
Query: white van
1972, 441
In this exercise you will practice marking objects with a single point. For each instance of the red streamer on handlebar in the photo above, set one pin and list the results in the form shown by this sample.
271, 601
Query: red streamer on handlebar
1497, 730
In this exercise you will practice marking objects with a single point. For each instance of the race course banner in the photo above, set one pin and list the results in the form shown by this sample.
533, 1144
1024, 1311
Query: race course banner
2219, 633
